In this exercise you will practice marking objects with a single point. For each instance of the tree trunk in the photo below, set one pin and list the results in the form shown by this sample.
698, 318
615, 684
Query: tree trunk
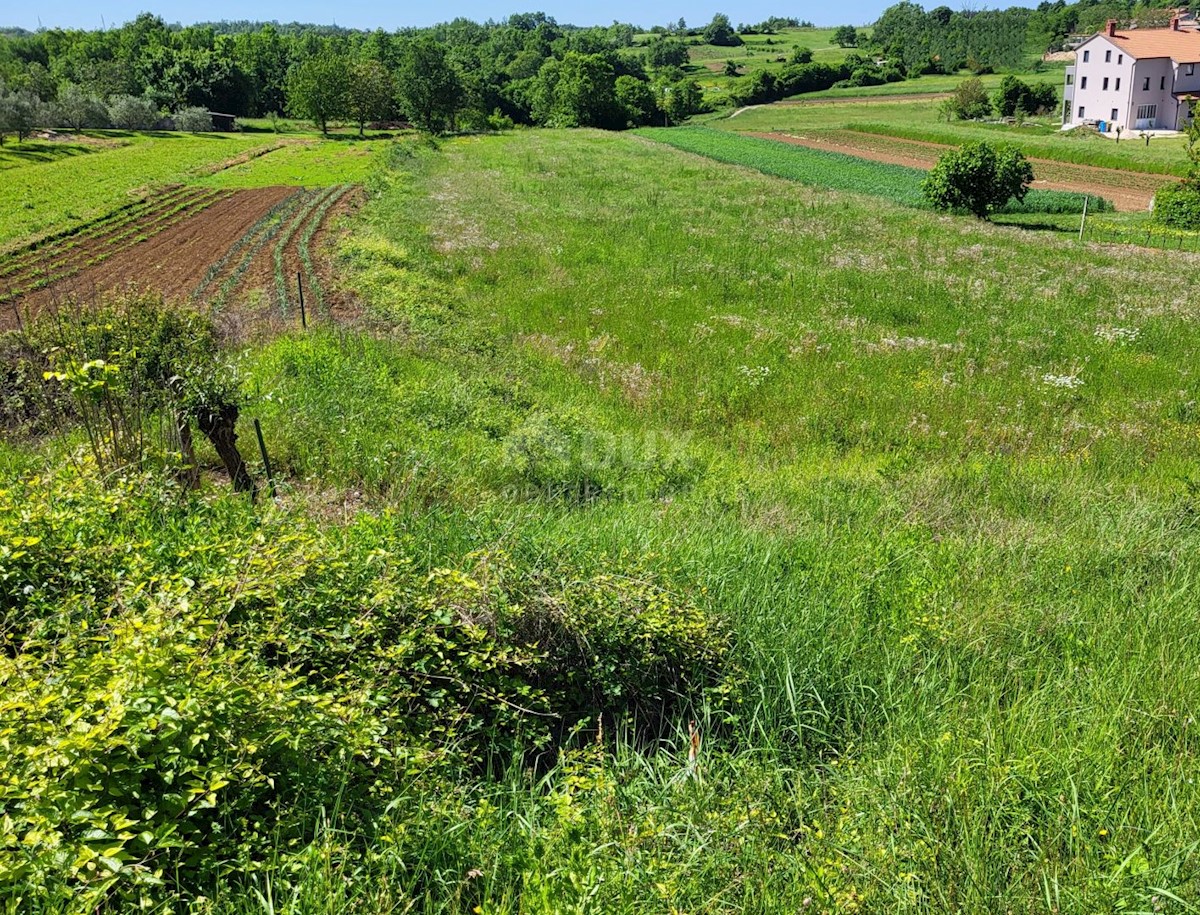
219, 426
190, 472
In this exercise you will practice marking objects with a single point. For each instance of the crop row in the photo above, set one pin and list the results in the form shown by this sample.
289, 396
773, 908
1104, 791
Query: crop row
313, 204
264, 226
71, 238
150, 220
137, 232
257, 237
148, 226
841, 172
306, 237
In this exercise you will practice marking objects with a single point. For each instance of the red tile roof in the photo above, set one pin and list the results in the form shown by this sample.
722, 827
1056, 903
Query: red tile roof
1181, 45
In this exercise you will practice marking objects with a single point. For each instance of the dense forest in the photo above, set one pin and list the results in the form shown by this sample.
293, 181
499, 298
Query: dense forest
525, 69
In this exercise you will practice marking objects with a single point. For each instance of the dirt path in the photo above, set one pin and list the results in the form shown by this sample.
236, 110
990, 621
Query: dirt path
173, 261
1128, 191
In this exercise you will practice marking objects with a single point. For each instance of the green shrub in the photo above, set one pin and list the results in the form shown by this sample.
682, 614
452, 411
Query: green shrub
1178, 205
978, 178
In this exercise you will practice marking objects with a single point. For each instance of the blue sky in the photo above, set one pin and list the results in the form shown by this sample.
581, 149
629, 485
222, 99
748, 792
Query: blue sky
363, 14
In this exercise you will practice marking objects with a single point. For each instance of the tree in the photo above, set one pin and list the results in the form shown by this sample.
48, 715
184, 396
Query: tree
636, 100
720, 32
845, 36
428, 86
978, 178
680, 99
132, 112
370, 93
193, 120
731, 68
317, 89
20, 112
79, 109
969, 101
666, 52
577, 91
801, 55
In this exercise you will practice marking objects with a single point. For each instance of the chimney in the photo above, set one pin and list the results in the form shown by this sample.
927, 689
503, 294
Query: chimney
1111, 28
1175, 24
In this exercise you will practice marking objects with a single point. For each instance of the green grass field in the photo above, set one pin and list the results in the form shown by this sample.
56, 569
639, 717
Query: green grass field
933, 479
38, 196
317, 163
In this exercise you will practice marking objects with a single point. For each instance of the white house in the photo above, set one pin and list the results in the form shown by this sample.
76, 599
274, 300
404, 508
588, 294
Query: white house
1139, 79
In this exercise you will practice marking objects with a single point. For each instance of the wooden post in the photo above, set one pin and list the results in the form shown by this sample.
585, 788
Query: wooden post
262, 448
300, 288
1083, 221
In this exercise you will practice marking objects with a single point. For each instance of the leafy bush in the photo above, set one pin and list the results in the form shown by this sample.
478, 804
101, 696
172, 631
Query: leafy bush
978, 178
175, 714
969, 101
1015, 96
1178, 205
193, 120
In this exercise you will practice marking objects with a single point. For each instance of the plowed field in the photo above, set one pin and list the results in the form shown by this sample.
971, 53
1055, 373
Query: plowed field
215, 246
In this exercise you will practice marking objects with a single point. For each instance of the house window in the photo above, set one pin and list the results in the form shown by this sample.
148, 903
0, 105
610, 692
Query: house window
1118, 84
1105, 82
1191, 69
1086, 54
1070, 79
1147, 112
1146, 84
1113, 117
1120, 58
1083, 82
1081, 111
1108, 57
1162, 83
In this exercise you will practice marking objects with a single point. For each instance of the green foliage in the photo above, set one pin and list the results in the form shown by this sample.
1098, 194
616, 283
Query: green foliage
430, 89
1015, 96
636, 100
577, 91
209, 695
370, 94
1178, 205
978, 178
801, 56
130, 112
20, 112
665, 51
846, 36
968, 102
720, 32
318, 89
193, 120
79, 109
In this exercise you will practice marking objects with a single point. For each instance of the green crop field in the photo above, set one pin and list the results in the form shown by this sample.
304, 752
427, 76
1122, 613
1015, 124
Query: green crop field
317, 163
658, 535
55, 192
897, 183
918, 119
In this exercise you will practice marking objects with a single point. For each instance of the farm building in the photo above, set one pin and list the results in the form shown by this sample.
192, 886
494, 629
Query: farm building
1137, 79
225, 123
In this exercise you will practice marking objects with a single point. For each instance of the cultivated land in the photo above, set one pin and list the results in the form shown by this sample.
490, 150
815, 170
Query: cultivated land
933, 479
233, 230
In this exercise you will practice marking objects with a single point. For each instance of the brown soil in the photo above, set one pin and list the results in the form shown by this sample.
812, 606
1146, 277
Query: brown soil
1128, 191
257, 286
171, 262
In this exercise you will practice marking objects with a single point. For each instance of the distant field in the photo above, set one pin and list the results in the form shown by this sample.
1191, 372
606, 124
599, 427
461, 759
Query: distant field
836, 171
313, 164
46, 195
918, 119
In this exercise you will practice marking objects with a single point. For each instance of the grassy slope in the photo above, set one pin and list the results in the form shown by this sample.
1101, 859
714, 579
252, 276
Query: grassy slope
962, 590
314, 164
39, 196
918, 120
960, 584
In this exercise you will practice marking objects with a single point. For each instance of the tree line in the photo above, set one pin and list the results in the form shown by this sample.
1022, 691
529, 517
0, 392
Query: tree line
527, 69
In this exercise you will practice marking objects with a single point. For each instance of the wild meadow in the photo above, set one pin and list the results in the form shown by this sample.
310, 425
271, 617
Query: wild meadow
664, 536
